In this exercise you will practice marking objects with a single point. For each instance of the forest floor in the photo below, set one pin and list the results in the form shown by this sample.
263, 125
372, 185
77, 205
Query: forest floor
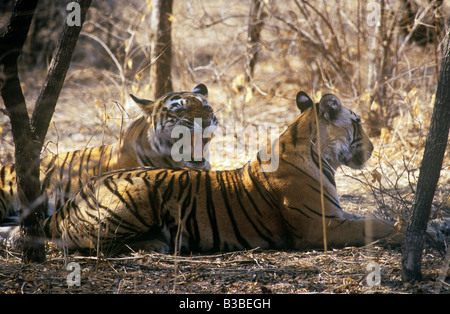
90, 112
344, 271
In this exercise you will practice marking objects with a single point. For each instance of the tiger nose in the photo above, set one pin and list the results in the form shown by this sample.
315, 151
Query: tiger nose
370, 148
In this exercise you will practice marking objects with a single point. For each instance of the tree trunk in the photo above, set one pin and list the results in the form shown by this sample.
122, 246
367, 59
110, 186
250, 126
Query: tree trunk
46, 102
161, 54
29, 134
255, 25
26, 147
430, 168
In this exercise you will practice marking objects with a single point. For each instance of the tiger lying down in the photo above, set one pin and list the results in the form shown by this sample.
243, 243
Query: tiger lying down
146, 142
203, 211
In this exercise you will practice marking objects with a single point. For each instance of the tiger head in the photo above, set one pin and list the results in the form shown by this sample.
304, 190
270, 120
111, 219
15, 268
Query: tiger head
342, 137
187, 110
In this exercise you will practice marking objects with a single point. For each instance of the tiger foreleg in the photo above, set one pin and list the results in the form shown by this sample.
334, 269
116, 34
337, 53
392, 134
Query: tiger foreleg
360, 230
154, 245
366, 230
355, 231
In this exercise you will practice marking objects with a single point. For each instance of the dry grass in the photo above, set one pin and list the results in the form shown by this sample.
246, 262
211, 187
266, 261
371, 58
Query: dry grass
298, 52
255, 271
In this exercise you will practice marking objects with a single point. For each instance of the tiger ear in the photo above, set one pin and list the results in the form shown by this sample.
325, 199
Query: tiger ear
330, 105
303, 101
146, 105
201, 89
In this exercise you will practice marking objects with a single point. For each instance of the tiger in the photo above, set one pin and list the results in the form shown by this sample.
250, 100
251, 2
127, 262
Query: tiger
254, 206
146, 142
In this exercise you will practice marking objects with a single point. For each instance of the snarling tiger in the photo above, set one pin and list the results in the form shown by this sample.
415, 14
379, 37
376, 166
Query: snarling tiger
253, 206
146, 142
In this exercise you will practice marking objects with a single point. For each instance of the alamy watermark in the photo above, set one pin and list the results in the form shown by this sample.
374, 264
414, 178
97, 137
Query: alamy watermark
374, 277
74, 277
74, 16
373, 14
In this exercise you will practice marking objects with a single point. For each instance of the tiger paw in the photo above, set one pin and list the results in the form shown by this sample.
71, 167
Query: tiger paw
11, 237
437, 234
151, 245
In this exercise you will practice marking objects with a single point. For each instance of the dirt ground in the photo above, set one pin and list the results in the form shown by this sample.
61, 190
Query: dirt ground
249, 272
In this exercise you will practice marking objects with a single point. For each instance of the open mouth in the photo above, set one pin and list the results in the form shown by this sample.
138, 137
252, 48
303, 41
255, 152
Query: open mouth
198, 159
198, 144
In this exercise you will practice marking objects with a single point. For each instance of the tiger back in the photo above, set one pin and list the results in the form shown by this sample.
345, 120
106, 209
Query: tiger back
146, 142
201, 211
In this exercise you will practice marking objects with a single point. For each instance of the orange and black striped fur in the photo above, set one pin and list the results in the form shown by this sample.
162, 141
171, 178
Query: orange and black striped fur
203, 211
146, 142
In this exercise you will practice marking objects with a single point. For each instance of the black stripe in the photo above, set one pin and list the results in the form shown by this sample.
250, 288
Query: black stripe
2, 203
237, 184
294, 130
199, 180
141, 138
192, 221
290, 233
247, 193
81, 165
7, 181
152, 199
356, 133
69, 175
317, 213
130, 204
2, 175
256, 185
51, 167
160, 177
299, 169
88, 160
270, 195
192, 227
211, 213
183, 182
327, 171
186, 201
103, 150
169, 189
299, 211
140, 150
224, 189
330, 198
112, 219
